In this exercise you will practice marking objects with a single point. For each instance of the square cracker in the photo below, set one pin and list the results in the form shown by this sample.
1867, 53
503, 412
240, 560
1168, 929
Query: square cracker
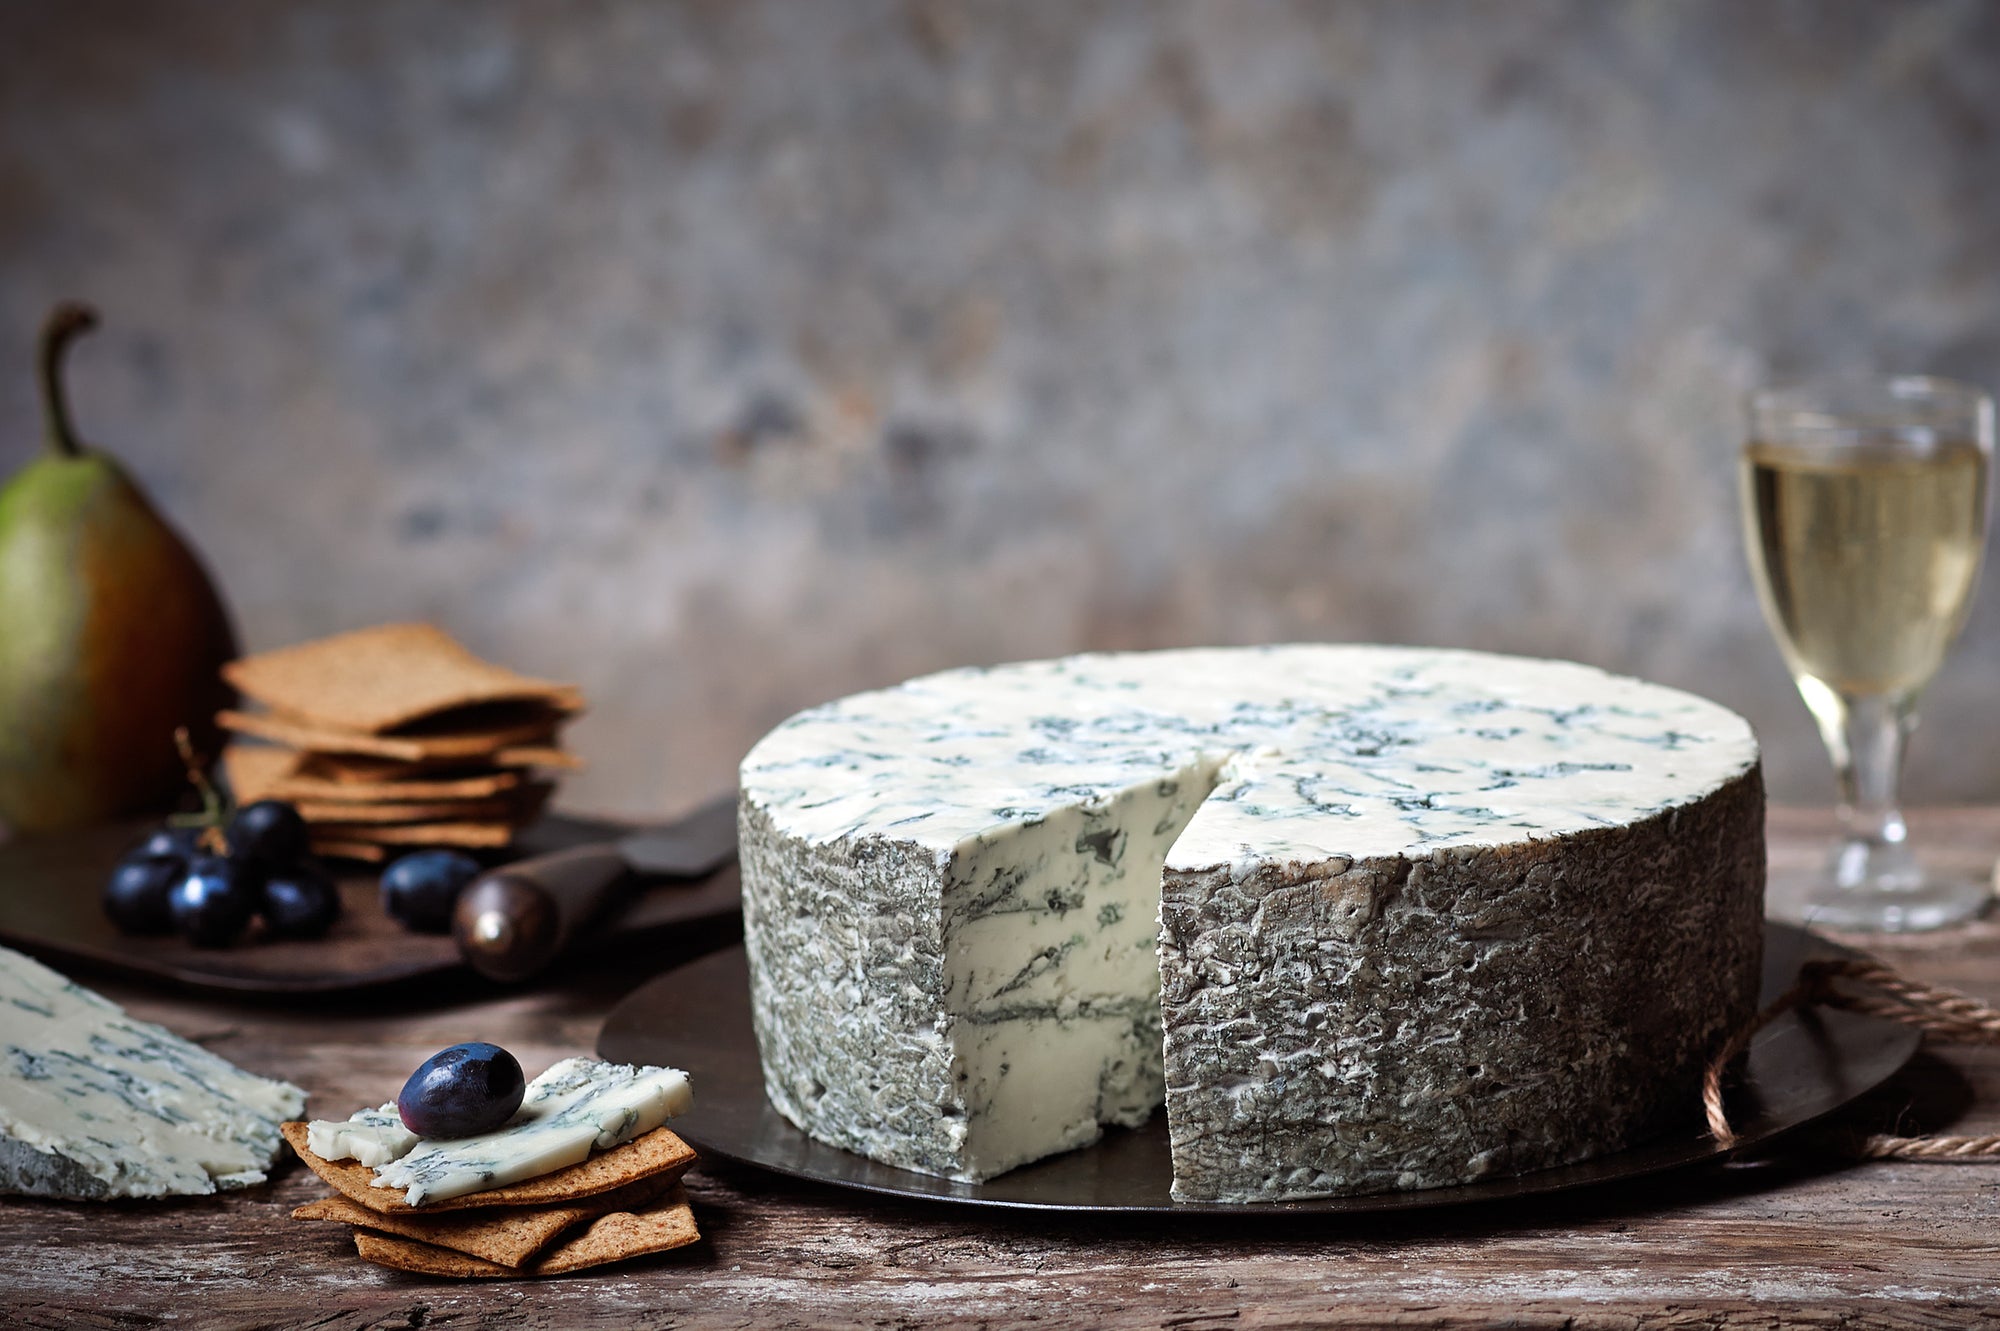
335, 848
468, 745
254, 770
515, 806
466, 836
259, 772
377, 679
509, 1235
609, 1238
363, 769
537, 755
655, 1154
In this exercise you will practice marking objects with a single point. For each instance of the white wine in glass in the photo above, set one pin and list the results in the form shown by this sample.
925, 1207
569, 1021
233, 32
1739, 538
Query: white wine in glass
1865, 510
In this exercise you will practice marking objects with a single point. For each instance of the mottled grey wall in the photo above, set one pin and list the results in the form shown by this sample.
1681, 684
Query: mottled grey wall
730, 357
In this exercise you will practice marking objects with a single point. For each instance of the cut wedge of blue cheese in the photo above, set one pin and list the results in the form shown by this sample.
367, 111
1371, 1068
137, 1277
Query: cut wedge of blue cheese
371, 1137
1362, 918
94, 1104
577, 1106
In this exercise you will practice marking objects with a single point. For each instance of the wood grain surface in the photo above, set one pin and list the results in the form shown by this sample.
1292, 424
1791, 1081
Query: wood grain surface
1798, 1238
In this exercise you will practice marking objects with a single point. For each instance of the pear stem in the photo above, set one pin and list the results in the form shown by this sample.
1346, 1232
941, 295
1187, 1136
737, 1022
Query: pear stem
65, 322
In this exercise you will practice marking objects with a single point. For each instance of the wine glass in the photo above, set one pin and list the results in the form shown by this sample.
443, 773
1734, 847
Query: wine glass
1865, 511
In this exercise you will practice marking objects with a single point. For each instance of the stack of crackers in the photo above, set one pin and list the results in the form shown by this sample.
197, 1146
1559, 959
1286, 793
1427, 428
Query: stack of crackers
625, 1202
396, 737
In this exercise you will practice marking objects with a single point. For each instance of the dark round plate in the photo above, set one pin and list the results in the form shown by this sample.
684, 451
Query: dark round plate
698, 1018
49, 890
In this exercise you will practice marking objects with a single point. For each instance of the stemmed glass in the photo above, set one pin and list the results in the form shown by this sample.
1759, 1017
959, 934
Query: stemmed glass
1865, 511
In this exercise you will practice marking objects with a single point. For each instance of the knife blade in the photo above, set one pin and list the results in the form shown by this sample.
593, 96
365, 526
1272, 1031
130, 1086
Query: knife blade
512, 921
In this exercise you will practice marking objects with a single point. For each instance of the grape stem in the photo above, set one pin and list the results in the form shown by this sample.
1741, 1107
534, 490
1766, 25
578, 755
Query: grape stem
214, 809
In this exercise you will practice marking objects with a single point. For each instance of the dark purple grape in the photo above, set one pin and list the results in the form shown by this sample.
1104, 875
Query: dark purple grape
135, 897
421, 889
213, 901
170, 843
268, 833
300, 902
461, 1091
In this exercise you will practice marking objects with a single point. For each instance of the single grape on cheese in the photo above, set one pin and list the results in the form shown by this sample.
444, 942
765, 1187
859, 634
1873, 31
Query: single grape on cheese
462, 1090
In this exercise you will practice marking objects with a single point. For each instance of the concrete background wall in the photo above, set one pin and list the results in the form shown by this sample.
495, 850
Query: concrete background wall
730, 357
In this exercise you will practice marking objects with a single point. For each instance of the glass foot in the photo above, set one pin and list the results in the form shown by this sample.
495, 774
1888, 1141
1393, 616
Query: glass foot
1931, 903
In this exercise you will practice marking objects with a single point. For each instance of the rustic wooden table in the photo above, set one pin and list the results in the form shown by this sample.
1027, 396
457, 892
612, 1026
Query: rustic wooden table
1795, 1239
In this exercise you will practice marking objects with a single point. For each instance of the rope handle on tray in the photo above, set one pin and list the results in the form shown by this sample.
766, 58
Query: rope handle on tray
1944, 1013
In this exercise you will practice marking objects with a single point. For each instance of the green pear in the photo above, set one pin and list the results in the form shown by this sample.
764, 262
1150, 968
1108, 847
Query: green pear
111, 634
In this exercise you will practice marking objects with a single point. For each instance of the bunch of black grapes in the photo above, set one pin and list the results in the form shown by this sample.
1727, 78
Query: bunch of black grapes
208, 882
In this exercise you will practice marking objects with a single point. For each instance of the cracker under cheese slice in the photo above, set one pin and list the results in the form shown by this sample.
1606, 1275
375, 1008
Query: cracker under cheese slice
613, 1237
506, 1235
658, 1153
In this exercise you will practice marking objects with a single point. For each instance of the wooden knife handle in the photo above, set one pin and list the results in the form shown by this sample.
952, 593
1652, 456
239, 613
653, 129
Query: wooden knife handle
512, 921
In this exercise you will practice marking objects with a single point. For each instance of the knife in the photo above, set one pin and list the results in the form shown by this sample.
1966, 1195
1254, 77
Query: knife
512, 921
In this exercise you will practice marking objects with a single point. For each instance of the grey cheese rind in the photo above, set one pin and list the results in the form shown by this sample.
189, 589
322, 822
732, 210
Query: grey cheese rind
1399, 1023
94, 1104
954, 916
846, 962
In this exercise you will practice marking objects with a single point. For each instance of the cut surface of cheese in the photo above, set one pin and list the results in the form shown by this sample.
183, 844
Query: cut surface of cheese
371, 1136
1362, 917
95, 1104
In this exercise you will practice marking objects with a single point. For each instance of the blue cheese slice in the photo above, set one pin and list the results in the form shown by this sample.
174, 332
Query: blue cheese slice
94, 1104
1315, 899
575, 1107
372, 1136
